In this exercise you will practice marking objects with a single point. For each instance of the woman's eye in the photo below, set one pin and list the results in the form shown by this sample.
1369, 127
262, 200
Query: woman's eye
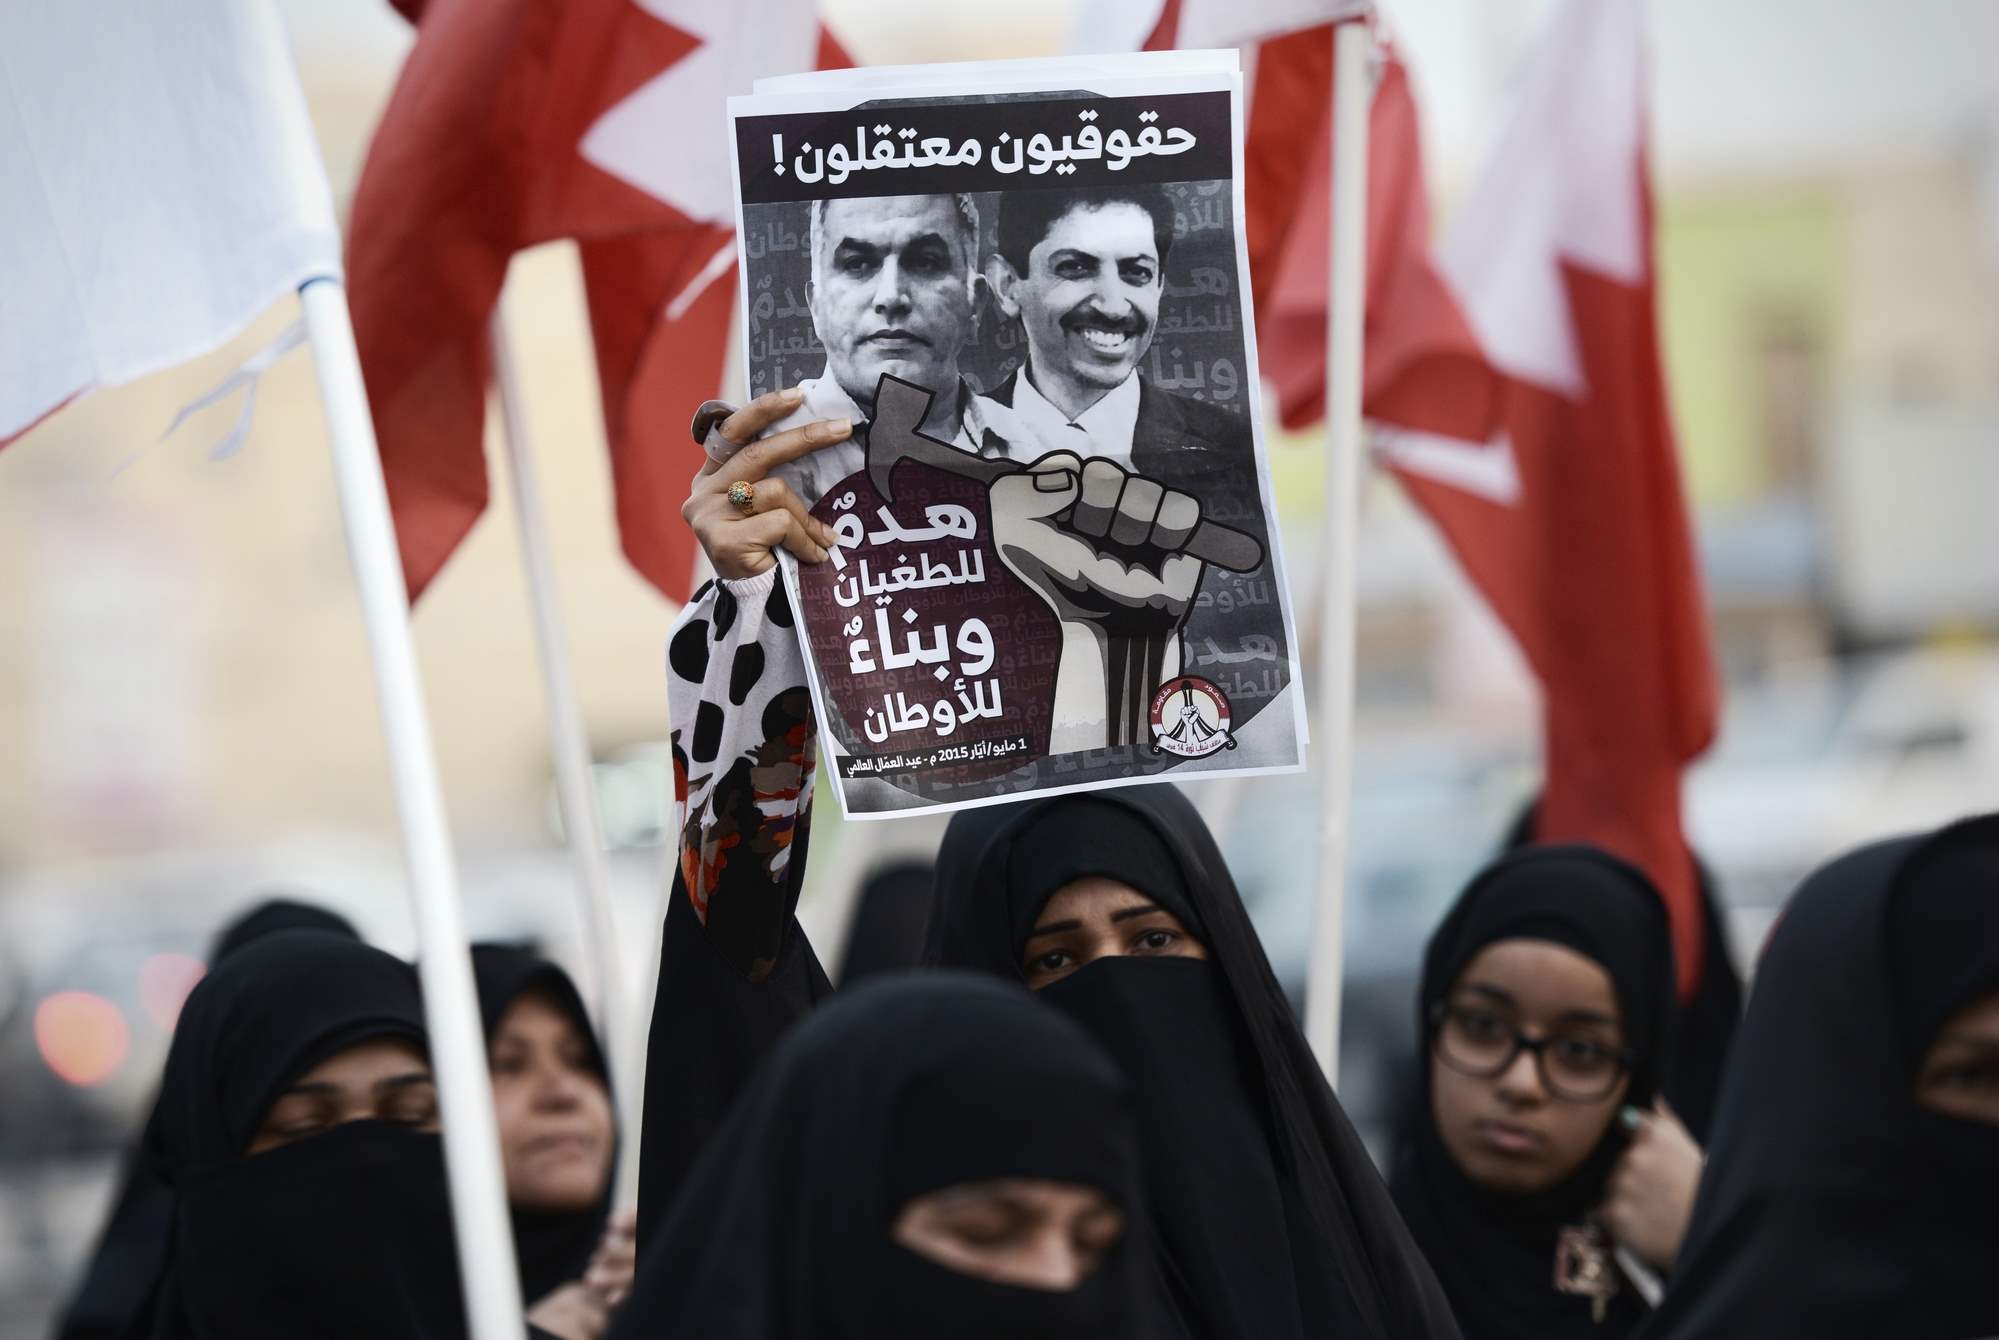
1053, 961
413, 1109
982, 1232
1966, 1077
1098, 1234
1155, 941
1582, 1054
1481, 1023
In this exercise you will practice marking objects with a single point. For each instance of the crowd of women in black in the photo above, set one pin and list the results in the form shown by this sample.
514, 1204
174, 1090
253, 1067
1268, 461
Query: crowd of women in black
1091, 1112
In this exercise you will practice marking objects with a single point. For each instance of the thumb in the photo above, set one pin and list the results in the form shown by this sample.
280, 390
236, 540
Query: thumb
1048, 486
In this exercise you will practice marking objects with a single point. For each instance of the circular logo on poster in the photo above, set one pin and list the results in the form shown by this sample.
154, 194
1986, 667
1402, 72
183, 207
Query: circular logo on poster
1190, 717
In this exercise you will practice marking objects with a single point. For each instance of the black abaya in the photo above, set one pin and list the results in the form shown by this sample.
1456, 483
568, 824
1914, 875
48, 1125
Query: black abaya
338, 1235
905, 1085
552, 1247
1272, 1219
1834, 1205
1496, 1252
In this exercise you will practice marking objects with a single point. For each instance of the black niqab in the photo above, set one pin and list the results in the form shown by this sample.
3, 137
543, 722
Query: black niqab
1272, 1219
1495, 1252
1833, 1204
552, 1247
125, 1267
906, 1084
342, 1234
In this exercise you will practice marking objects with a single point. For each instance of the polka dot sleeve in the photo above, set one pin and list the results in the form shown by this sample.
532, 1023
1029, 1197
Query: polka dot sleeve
745, 744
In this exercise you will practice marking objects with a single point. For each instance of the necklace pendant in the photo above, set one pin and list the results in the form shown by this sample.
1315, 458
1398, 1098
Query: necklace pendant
1584, 1267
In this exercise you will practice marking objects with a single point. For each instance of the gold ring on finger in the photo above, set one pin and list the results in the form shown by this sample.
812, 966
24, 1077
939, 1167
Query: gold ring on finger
744, 495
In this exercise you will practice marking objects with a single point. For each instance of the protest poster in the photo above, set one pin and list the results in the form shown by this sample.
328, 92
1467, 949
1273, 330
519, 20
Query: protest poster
1026, 284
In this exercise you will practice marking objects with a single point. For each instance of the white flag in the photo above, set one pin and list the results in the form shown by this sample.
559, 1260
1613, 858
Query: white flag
159, 187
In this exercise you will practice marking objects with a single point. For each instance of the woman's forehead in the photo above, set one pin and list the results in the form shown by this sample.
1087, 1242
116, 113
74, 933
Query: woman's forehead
536, 1014
1542, 977
365, 1063
1091, 897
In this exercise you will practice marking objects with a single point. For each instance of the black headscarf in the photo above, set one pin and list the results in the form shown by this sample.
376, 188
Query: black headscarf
1704, 1023
126, 1264
552, 1247
1272, 1220
1833, 1204
1495, 1252
889, 918
278, 914
338, 1235
907, 1084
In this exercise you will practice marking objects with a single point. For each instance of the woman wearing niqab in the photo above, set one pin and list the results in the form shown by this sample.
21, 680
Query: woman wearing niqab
125, 1265
342, 1229
1271, 1218
790, 1225
1852, 1184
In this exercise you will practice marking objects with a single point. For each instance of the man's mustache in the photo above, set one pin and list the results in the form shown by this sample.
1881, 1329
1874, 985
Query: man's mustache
1089, 318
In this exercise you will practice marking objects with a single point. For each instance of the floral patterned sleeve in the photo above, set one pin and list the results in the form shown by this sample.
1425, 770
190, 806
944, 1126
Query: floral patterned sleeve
745, 746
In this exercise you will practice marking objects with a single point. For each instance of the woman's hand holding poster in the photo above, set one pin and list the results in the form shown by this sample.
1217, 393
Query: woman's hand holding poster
1024, 283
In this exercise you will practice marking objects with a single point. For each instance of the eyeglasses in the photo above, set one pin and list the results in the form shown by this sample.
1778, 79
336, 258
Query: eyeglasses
1478, 1042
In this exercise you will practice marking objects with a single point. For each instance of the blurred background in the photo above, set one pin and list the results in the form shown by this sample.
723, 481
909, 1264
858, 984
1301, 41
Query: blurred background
189, 724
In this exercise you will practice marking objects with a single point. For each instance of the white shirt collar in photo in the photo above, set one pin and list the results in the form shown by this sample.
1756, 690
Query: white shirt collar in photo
1105, 427
826, 399
815, 474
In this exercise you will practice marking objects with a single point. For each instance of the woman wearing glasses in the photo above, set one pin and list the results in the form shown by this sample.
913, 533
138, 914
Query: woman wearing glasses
1540, 1174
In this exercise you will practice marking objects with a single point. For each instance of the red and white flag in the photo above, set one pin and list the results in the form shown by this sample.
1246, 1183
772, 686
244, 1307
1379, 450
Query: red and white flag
162, 188
517, 122
1550, 465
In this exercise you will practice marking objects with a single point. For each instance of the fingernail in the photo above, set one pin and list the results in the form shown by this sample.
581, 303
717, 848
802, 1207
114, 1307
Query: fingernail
1631, 1117
1054, 481
794, 394
842, 427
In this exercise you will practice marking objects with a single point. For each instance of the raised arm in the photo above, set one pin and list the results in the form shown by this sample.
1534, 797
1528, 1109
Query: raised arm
744, 741
734, 970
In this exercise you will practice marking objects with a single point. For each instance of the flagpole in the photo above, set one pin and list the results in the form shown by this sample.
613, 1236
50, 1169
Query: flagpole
1333, 731
487, 1272
575, 786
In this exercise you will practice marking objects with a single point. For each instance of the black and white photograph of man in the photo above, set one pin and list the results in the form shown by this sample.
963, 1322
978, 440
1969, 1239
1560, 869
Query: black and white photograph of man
1083, 271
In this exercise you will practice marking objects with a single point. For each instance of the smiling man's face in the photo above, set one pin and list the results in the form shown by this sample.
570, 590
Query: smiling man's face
1090, 299
891, 291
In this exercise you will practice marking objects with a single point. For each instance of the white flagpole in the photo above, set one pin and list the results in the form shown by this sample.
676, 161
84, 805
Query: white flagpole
1345, 315
582, 824
451, 1011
